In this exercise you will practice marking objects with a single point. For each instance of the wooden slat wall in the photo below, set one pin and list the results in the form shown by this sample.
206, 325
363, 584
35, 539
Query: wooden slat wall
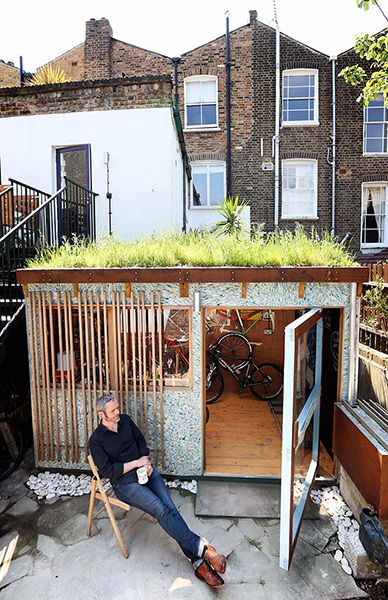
119, 348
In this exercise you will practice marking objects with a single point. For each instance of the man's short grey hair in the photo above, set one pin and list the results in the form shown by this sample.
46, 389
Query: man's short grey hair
103, 400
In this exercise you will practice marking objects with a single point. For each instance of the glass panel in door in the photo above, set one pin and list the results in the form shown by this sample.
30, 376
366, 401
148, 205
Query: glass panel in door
73, 169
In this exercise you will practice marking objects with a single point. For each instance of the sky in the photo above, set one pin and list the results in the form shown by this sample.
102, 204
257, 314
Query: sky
44, 29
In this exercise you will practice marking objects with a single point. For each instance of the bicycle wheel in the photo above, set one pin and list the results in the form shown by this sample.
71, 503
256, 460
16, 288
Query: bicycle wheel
234, 349
11, 447
214, 380
266, 381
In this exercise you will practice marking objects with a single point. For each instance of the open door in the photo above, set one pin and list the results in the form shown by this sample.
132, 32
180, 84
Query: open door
300, 437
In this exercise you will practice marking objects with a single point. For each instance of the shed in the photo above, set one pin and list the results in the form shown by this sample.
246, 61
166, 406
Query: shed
145, 333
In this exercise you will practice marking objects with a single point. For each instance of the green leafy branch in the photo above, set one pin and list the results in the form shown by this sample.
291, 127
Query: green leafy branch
373, 50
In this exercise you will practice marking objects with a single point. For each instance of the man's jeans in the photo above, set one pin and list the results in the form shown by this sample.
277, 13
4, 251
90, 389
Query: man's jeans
154, 498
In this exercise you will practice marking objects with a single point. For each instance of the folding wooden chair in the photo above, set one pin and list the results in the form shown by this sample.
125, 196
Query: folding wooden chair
107, 497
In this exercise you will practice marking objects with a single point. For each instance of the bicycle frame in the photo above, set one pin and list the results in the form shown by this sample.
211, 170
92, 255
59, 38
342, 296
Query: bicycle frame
253, 315
243, 381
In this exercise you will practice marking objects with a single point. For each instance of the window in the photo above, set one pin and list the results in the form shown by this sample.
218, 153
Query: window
299, 189
373, 217
201, 102
375, 127
300, 97
208, 184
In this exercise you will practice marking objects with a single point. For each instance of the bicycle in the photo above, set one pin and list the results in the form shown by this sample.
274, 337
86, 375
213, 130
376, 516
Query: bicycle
234, 353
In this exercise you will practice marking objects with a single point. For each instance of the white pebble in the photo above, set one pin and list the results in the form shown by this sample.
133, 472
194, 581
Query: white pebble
346, 568
338, 555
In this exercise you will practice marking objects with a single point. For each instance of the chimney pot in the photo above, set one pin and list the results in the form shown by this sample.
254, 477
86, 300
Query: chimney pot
252, 16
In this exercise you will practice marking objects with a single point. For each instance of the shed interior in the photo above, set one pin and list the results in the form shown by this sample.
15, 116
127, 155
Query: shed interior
243, 434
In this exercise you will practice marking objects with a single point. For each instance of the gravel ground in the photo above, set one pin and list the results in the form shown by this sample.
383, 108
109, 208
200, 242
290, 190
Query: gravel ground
376, 591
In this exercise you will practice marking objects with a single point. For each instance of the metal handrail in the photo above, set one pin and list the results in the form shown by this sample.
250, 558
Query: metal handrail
31, 215
27, 186
80, 186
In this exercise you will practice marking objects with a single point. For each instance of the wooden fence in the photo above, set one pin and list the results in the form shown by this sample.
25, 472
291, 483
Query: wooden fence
373, 320
84, 346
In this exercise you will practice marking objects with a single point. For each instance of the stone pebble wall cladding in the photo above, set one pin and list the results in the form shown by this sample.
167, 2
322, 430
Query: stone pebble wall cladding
183, 410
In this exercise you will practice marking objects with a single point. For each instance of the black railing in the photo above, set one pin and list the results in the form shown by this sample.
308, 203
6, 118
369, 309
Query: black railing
67, 213
17, 246
77, 215
17, 202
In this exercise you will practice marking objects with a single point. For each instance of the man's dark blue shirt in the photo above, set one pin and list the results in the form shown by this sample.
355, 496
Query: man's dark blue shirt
110, 450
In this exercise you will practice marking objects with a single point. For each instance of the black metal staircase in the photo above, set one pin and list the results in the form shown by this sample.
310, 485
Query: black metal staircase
31, 219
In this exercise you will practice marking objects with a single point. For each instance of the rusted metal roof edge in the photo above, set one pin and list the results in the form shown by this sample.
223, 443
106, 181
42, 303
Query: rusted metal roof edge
195, 275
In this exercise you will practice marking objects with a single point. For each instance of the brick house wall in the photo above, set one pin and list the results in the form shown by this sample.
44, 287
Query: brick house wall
72, 63
9, 75
310, 142
129, 60
353, 168
209, 59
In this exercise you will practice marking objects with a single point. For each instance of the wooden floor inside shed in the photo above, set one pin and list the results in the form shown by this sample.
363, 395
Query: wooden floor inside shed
242, 438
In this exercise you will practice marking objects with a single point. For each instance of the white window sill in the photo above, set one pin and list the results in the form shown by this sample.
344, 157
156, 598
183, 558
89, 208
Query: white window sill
372, 246
204, 207
300, 124
201, 129
299, 218
375, 154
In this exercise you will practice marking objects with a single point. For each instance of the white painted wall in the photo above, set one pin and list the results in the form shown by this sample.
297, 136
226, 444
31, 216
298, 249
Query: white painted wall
145, 162
205, 218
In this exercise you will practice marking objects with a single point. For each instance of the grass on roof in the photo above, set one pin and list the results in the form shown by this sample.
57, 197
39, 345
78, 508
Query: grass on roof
296, 248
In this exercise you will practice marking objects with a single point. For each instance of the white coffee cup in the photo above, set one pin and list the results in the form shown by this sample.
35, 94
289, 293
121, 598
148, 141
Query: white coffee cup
142, 476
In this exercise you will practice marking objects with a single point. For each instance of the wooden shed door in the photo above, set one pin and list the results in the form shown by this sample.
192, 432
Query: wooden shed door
300, 437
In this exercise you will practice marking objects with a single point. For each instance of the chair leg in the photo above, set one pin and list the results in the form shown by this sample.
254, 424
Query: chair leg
123, 548
91, 507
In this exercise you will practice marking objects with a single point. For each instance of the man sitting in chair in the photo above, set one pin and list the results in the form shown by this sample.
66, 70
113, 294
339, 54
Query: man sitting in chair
118, 448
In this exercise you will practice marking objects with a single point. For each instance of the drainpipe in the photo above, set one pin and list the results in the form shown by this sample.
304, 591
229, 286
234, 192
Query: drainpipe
228, 115
186, 168
175, 61
277, 124
333, 145
21, 77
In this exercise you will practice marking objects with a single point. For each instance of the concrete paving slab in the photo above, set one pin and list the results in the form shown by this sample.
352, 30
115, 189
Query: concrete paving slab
25, 537
48, 545
22, 507
328, 580
311, 533
18, 568
251, 528
4, 503
236, 499
73, 530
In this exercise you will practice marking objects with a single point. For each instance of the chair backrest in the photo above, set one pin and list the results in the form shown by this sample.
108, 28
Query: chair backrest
93, 467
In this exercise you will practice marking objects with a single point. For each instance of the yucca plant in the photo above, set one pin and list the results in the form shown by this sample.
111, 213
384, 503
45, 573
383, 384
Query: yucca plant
232, 212
48, 74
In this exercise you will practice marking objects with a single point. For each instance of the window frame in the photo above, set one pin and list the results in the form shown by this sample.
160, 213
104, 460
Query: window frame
370, 245
193, 79
314, 215
301, 72
205, 163
364, 150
